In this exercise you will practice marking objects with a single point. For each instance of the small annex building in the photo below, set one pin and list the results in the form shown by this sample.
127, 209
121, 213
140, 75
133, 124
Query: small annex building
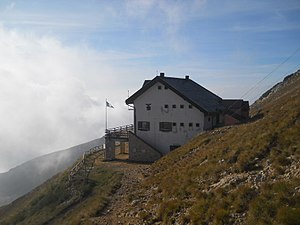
169, 111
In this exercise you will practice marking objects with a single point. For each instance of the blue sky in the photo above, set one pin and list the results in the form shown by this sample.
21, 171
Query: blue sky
60, 59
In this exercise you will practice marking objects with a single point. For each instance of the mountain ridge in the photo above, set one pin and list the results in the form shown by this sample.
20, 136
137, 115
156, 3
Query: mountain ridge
23, 178
241, 174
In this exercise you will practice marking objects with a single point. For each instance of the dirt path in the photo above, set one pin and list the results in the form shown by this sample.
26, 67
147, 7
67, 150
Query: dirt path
117, 210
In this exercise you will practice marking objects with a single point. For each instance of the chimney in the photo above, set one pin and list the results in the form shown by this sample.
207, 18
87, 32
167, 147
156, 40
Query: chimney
187, 77
162, 74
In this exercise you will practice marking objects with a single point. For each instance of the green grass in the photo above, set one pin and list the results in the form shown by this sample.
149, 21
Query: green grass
210, 180
183, 179
53, 203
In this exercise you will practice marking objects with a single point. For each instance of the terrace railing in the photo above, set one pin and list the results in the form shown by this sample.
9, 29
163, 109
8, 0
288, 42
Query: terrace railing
121, 132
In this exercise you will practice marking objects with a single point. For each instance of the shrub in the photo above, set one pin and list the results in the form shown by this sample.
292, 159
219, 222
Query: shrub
198, 211
222, 216
244, 195
288, 216
168, 208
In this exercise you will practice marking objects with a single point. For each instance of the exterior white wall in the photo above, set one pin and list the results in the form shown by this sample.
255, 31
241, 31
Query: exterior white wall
158, 113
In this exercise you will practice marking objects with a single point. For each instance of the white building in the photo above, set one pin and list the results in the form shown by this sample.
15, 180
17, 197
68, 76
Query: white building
170, 111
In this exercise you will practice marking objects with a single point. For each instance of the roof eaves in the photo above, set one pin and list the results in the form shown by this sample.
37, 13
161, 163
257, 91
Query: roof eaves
139, 92
147, 84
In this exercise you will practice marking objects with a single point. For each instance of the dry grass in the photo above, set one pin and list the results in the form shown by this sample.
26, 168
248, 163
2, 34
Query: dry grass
186, 180
53, 203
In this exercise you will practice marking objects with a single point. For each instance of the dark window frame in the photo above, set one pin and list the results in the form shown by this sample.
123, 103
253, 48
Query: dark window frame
165, 126
182, 106
143, 125
148, 107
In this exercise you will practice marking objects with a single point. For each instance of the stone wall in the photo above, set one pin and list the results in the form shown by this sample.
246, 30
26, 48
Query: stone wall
140, 151
109, 152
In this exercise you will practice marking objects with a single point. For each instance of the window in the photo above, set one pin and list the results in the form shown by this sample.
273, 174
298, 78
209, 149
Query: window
182, 124
148, 107
174, 124
197, 124
165, 126
190, 124
208, 119
181, 106
166, 106
166, 87
143, 125
190, 106
174, 106
159, 87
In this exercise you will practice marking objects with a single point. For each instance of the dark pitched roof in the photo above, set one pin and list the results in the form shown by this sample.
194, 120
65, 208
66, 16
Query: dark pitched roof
146, 82
235, 104
235, 107
195, 94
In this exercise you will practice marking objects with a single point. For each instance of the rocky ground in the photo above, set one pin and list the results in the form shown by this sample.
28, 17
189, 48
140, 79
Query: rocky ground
117, 211
248, 165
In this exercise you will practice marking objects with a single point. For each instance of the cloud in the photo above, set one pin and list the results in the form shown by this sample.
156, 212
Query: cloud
166, 17
52, 96
10, 6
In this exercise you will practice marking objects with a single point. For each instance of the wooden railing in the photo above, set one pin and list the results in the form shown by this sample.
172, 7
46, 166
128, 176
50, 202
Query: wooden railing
121, 132
85, 165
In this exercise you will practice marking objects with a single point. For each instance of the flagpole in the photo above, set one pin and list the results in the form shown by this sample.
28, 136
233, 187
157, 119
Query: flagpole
105, 114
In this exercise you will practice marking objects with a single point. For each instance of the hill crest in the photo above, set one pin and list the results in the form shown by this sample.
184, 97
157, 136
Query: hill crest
243, 174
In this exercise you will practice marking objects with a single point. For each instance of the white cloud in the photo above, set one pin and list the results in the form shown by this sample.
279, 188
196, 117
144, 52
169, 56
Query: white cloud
10, 6
52, 97
166, 16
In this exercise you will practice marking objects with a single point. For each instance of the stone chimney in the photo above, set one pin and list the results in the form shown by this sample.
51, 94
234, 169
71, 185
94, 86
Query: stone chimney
187, 77
162, 74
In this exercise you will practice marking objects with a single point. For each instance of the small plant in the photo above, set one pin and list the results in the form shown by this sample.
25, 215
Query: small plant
222, 216
243, 195
198, 212
288, 216
168, 208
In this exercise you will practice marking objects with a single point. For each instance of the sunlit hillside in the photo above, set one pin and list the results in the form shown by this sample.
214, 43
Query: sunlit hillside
245, 174
242, 174
58, 202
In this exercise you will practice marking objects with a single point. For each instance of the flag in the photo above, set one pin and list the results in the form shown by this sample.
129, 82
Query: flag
109, 105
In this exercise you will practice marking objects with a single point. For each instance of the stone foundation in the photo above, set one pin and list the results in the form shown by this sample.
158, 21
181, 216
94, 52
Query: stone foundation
109, 152
140, 151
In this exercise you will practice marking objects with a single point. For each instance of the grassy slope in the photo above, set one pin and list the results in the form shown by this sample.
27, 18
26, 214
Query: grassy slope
248, 174
53, 203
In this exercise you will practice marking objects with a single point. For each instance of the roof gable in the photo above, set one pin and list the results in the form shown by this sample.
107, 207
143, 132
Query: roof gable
195, 94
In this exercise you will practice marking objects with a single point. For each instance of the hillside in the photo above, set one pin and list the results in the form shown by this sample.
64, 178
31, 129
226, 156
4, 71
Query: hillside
246, 174
243, 174
22, 179
58, 200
